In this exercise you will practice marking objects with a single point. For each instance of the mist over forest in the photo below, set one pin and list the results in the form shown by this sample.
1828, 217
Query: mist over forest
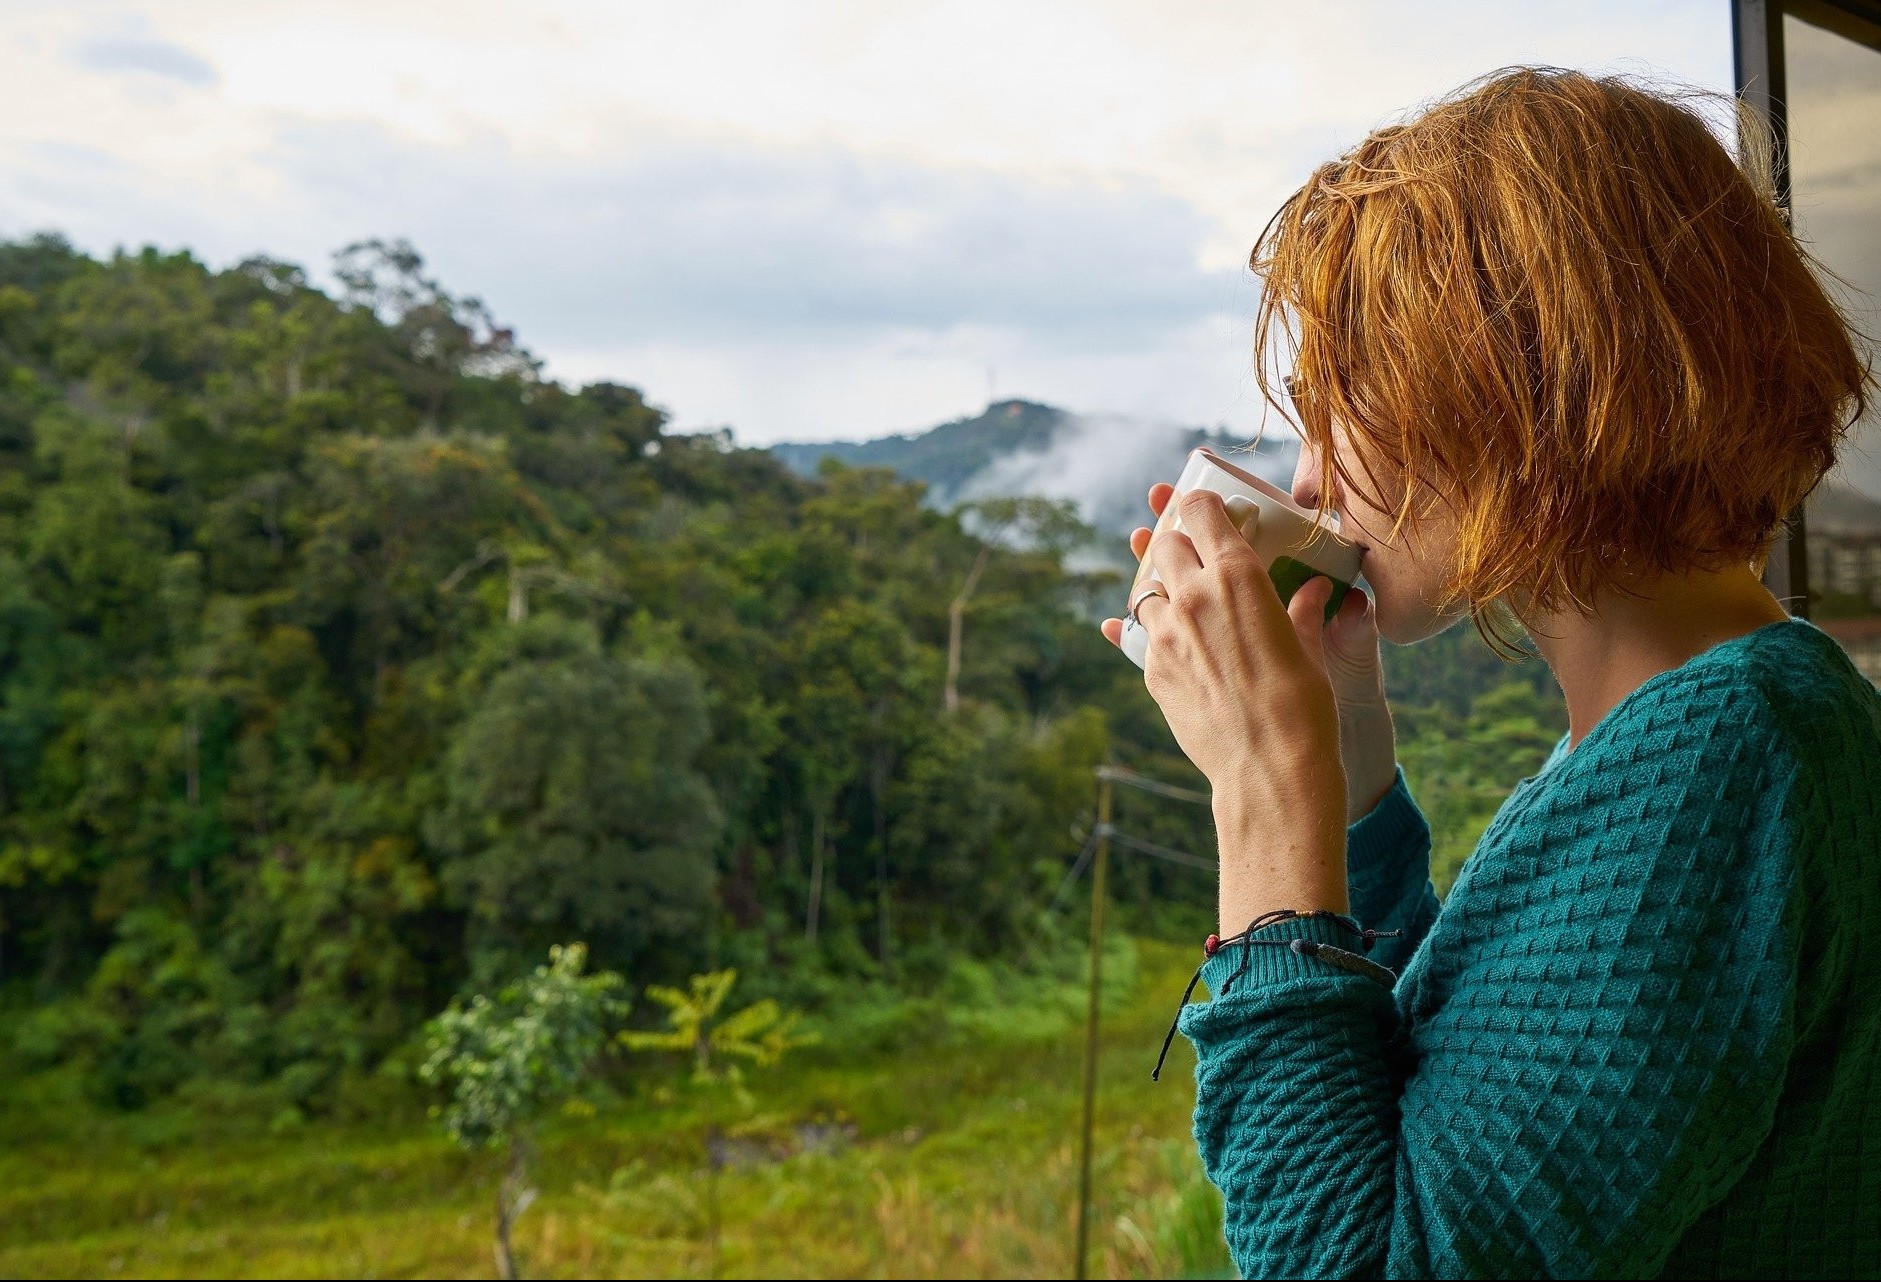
1102, 464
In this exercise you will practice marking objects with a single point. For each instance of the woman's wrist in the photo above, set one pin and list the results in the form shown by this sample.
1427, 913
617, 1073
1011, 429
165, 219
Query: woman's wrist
1265, 865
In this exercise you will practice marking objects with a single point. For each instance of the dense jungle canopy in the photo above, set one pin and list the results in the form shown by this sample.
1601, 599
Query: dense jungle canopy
347, 661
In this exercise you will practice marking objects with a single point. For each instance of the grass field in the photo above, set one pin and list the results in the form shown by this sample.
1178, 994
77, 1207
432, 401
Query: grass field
954, 1156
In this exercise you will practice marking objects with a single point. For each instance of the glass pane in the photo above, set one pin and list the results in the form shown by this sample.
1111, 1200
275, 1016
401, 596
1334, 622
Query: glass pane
1835, 174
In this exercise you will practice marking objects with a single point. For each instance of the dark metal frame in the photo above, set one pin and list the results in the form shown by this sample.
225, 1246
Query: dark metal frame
1858, 20
1763, 84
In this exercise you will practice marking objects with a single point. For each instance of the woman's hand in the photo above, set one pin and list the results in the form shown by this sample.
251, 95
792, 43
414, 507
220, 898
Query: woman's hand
1244, 684
1368, 742
1367, 738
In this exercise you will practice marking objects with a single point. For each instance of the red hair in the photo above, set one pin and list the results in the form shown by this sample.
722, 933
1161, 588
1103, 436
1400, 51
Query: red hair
1556, 305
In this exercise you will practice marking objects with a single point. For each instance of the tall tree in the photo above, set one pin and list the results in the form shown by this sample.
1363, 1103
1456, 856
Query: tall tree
572, 807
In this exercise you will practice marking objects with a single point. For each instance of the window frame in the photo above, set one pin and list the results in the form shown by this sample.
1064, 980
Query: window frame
1762, 83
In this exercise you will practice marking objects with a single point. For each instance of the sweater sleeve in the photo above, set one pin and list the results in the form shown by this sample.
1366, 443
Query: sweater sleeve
1597, 1077
1387, 862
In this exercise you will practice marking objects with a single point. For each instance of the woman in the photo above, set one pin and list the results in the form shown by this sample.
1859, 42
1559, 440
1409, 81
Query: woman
1556, 361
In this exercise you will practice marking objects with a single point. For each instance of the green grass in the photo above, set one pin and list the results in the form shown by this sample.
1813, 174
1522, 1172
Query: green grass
962, 1163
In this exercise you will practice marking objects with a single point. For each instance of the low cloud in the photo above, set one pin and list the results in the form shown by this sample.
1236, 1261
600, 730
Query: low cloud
806, 224
821, 386
789, 292
142, 56
685, 239
1106, 464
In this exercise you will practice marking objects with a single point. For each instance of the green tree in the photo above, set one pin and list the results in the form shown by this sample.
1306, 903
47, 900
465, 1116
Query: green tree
507, 1060
438, 338
572, 805
1049, 525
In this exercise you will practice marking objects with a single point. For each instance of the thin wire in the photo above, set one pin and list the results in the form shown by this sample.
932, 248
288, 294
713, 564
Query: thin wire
1161, 852
1077, 870
1131, 779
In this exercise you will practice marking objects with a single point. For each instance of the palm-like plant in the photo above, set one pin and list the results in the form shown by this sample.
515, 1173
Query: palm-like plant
760, 1034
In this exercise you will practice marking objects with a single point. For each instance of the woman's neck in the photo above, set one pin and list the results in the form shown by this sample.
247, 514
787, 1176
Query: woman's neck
1600, 658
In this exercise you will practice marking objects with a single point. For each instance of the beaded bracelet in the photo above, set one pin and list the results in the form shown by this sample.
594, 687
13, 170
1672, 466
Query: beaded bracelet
1338, 957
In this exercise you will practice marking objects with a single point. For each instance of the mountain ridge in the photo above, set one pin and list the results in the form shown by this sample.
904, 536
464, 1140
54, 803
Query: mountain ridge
1104, 463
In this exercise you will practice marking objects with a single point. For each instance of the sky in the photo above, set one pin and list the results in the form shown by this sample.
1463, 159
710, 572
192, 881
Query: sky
816, 220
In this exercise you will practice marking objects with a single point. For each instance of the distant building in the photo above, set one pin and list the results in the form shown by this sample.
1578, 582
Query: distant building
1849, 564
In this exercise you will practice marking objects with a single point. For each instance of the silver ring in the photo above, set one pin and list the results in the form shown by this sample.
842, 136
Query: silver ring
1150, 589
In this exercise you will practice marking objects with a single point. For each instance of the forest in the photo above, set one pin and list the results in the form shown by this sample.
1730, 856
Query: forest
348, 663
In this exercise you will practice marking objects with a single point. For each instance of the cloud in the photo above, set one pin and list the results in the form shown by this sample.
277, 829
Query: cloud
1106, 463
677, 238
787, 291
142, 55
824, 386
830, 219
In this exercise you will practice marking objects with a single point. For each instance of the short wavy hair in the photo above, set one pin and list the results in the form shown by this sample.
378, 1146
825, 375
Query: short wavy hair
1556, 305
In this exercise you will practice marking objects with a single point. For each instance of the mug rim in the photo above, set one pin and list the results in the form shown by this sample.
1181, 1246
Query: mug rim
1272, 491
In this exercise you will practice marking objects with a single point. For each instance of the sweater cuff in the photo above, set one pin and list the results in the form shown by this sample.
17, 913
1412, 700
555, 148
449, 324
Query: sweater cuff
1387, 856
1385, 828
1260, 964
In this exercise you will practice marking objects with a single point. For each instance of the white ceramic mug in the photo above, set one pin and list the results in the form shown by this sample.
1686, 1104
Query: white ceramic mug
1294, 546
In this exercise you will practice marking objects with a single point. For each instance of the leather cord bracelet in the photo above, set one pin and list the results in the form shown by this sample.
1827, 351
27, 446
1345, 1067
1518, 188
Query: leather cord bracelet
1339, 958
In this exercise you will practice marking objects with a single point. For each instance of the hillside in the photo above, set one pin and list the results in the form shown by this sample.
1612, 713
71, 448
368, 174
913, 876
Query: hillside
345, 663
1014, 447
946, 457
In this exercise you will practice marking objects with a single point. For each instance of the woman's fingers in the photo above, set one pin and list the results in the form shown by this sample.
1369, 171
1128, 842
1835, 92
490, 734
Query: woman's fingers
1352, 619
1176, 559
1353, 630
1143, 596
1159, 496
1207, 522
1147, 601
1307, 608
1352, 608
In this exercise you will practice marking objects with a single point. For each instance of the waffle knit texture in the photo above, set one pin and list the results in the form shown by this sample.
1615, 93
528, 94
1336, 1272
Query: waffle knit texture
1641, 1037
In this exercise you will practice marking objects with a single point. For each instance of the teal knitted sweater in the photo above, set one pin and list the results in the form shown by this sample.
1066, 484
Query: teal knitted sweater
1641, 1036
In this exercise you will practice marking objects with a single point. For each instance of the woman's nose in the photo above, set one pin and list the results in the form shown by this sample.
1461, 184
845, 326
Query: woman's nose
1306, 478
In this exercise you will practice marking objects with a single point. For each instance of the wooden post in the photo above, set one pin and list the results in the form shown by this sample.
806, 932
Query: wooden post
1099, 875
